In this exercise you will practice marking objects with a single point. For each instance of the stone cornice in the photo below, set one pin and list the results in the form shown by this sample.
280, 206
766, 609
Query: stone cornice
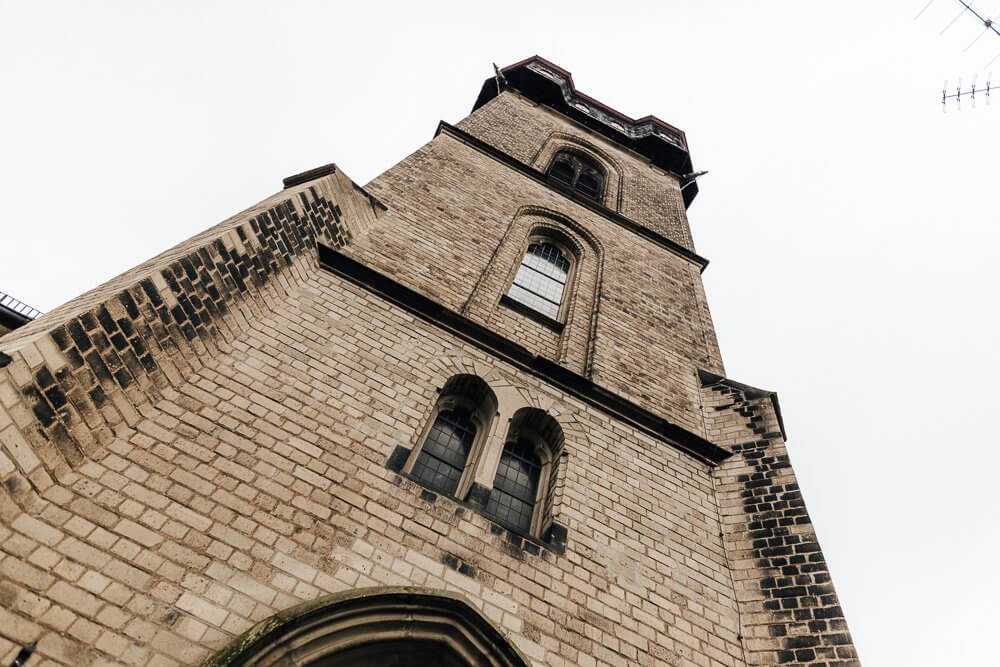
489, 341
547, 83
576, 198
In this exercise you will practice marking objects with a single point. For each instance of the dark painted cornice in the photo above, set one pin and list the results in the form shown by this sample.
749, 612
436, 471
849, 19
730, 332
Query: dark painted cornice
546, 83
531, 172
489, 341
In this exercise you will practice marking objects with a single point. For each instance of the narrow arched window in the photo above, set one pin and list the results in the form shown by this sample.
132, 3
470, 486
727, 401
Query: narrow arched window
443, 457
541, 279
524, 487
515, 488
578, 173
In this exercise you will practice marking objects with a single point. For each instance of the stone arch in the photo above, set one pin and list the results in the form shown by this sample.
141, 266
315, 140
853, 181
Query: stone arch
613, 170
447, 366
405, 627
590, 257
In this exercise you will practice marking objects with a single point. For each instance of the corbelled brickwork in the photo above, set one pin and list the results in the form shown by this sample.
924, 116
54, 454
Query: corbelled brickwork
220, 434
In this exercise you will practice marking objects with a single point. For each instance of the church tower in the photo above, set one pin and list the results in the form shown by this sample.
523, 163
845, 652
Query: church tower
471, 413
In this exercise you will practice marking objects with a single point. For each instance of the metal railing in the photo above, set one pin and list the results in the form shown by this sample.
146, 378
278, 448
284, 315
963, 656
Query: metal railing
19, 307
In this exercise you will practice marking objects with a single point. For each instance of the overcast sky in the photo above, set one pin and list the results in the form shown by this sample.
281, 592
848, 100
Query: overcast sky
851, 225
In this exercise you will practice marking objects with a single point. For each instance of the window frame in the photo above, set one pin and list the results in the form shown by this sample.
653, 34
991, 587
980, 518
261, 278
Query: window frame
581, 163
568, 254
482, 422
543, 452
487, 411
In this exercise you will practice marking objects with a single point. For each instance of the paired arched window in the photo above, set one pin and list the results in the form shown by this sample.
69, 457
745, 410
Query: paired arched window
540, 282
577, 172
515, 488
456, 450
446, 450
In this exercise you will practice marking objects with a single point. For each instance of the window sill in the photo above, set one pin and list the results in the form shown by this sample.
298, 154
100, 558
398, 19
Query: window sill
518, 540
530, 312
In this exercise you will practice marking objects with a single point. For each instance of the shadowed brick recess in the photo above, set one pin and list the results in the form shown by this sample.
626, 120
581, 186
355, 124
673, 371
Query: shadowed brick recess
211, 457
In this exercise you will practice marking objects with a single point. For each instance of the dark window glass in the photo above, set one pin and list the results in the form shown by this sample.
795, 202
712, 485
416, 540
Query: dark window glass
512, 500
588, 185
578, 173
563, 171
442, 458
541, 279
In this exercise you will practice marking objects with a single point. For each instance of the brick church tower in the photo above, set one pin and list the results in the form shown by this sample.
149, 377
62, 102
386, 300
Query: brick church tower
473, 413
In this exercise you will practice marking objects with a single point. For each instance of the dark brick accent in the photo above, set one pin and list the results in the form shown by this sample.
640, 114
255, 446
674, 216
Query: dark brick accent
398, 458
114, 347
796, 582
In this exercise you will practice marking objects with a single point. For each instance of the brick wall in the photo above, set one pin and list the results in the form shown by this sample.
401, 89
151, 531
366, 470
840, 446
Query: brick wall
206, 440
255, 477
532, 133
789, 609
454, 211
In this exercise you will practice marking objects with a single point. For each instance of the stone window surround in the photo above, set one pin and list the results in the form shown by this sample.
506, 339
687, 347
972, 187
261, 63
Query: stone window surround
580, 163
477, 480
482, 413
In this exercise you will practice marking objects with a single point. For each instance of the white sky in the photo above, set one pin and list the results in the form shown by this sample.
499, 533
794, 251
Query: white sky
851, 225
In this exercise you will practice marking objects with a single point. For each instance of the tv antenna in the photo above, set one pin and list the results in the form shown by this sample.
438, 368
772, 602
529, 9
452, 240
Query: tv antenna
958, 93
967, 93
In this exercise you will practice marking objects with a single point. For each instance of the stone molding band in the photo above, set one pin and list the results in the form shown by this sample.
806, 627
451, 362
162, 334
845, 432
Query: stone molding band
562, 378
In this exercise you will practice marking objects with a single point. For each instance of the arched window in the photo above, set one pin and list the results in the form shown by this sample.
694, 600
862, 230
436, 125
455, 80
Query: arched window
523, 488
446, 450
456, 431
541, 279
515, 488
577, 172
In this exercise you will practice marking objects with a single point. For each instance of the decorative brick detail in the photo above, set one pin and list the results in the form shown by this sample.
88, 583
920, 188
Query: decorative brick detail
83, 375
790, 611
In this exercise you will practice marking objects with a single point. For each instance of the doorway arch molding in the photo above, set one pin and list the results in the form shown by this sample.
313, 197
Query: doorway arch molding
384, 625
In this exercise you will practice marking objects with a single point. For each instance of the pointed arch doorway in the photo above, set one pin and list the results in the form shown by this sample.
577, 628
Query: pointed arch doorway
384, 627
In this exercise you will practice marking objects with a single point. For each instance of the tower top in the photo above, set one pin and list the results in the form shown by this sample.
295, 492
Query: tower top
546, 83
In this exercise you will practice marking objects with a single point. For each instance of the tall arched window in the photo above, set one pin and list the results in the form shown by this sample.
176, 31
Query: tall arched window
523, 488
515, 488
541, 279
444, 459
577, 172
